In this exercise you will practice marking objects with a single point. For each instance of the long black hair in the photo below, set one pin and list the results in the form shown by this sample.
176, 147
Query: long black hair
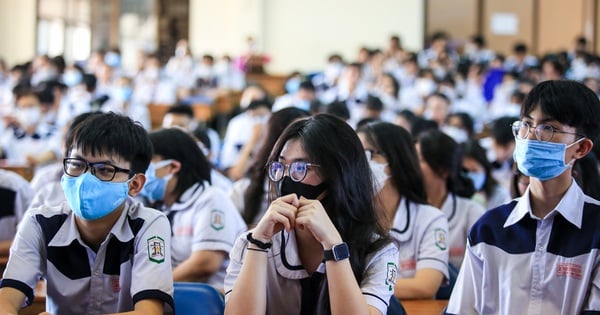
333, 144
444, 155
174, 143
398, 147
254, 194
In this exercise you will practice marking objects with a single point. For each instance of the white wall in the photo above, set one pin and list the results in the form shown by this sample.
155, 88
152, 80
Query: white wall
17, 30
299, 35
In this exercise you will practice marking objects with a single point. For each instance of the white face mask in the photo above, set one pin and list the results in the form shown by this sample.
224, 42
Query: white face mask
379, 175
29, 117
459, 135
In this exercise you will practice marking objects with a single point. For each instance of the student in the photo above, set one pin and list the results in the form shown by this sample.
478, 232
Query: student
101, 252
249, 194
15, 196
420, 230
538, 254
204, 221
448, 189
488, 192
319, 248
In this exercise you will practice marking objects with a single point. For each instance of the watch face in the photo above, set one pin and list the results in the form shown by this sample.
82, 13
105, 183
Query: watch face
341, 251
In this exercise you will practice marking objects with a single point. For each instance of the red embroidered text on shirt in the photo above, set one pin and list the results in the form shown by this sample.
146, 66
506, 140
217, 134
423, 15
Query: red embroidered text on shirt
116, 287
569, 270
408, 265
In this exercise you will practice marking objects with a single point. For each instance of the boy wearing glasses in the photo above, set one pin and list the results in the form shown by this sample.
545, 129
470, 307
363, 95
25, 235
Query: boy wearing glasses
539, 254
100, 252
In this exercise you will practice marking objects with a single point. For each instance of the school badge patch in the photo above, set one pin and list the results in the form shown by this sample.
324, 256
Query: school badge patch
440, 239
156, 249
392, 274
217, 219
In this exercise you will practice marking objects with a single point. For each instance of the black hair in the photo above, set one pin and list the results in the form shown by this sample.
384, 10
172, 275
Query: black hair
585, 172
466, 121
339, 110
254, 194
264, 102
520, 48
90, 82
374, 103
398, 147
181, 109
395, 83
472, 149
569, 102
112, 134
307, 85
176, 144
333, 144
443, 155
421, 125
479, 40
501, 130
201, 134
366, 121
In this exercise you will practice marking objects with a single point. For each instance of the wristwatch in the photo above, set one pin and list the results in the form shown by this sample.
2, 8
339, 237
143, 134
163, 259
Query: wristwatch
337, 252
259, 244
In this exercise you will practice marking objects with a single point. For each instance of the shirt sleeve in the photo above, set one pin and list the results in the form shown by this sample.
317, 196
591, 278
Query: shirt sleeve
593, 300
151, 271
433, 248
380, 277
466, 295
27, 256
236, 258
218, 224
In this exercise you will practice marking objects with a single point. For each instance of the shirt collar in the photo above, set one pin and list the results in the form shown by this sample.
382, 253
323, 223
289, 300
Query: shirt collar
68, 232
569, 207
188, 197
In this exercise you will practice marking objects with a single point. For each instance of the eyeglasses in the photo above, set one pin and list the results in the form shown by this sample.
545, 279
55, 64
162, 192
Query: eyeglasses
542, 132
369, 153
103, 171
297, 170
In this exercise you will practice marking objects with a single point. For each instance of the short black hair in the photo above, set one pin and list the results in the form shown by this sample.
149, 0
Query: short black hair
112, 134
374, 103
307, 85
569, 102
501, 130
338, 109
181, 110
264, 102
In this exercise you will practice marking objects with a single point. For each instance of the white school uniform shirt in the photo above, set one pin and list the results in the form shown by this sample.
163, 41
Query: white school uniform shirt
462, 213
204, 218
421, 232
285, 273
517, 263
132, 264
15, 196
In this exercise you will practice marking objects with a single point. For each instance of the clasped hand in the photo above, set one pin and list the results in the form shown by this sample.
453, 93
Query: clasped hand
289, 212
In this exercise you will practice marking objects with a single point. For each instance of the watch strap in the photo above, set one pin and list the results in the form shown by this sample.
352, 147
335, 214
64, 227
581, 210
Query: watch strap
337, 252
259, 244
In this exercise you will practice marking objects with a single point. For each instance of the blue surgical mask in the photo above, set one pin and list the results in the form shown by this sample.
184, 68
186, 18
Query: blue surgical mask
123, 94
478, 179
72, 78
92, 199
155, 187
541, 159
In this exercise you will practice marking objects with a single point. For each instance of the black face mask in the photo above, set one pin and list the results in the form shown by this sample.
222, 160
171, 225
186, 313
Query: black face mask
288, 186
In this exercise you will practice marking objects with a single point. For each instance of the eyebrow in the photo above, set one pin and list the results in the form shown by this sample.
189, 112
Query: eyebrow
303, 159
543, 121
105, 161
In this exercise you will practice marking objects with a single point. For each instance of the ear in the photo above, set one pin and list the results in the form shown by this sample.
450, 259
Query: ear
136, 184
584, 147
176, 166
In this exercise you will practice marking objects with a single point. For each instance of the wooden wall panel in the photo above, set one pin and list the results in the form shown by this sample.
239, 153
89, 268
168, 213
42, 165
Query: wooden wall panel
459, 18
523, 10
559, 23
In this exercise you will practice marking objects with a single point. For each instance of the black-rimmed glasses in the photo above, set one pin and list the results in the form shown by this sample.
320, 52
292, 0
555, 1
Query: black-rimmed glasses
106, 172
297, 170
542, 132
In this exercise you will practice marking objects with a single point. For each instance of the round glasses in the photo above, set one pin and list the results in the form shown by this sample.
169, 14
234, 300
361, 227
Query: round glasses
542, 132
297, 170
105, 172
